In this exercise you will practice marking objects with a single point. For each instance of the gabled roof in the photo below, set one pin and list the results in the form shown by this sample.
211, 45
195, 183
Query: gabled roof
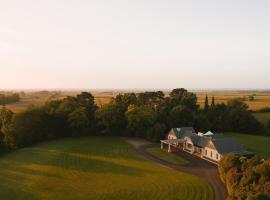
226, 145
183, 132
199, 141
203, 141
209, 133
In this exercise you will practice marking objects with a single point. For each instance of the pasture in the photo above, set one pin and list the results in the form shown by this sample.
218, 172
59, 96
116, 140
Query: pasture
92, 168
262, 117
253, 143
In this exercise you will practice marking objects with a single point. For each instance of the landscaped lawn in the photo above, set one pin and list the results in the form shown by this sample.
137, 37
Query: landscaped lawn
169, 157
92, 168
257, 144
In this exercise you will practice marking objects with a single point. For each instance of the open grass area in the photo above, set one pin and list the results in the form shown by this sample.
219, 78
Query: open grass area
92, 168
257, 144
262, 117
168, 157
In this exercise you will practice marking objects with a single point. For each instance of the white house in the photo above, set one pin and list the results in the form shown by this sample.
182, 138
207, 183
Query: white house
209, 146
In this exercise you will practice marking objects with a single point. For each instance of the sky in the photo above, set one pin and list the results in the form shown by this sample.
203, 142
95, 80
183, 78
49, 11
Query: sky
128, 44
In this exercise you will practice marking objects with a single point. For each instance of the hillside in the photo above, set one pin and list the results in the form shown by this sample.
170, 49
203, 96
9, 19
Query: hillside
92, 168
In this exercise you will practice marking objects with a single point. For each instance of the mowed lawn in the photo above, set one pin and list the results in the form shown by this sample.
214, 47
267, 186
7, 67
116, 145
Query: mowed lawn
92, 168
168, 157
257, 144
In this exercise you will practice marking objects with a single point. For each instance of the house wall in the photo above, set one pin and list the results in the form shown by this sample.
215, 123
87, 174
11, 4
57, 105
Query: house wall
189, 145
171, 135
211, 154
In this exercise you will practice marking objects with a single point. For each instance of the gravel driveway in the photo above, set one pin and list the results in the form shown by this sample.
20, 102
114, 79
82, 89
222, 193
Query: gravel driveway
196, 166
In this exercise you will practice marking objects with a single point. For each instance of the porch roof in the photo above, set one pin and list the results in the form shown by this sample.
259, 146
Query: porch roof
172, 141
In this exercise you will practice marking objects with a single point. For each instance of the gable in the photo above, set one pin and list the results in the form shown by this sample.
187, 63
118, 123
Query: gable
171, 134
211, 145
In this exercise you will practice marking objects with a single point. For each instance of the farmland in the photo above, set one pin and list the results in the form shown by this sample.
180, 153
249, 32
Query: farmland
254, 143
261, 100
92, 168
262, 117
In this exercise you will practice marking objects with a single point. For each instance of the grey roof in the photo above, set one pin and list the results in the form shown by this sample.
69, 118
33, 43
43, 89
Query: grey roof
227, 145
183, 132
195, 139
203, 141
215, 135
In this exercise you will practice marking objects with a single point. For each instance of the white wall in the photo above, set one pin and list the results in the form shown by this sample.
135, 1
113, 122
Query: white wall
215, 155
171, 136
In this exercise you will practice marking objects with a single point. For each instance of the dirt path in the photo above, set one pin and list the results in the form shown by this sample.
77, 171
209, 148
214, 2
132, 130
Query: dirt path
196, 166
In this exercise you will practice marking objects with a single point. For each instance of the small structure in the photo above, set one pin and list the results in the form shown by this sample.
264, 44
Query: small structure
209, 146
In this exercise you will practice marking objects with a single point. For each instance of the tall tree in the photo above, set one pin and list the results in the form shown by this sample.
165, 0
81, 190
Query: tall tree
140, 119
206, 104
213, 102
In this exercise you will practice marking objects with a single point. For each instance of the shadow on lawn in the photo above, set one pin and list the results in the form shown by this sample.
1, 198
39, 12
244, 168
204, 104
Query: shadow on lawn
46, 162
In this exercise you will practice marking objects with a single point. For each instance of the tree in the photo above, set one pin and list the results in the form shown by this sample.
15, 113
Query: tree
157, 132
181, 96
181, 116
6, 117
29, 128
213, 103
140, 119
78, 121
206, 105
111, 119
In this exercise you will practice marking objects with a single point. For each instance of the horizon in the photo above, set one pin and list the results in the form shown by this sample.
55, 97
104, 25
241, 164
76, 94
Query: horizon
135, 45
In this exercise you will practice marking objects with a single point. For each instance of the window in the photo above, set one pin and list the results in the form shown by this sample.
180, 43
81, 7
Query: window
189, 146
211, 154
205, 152
217, 156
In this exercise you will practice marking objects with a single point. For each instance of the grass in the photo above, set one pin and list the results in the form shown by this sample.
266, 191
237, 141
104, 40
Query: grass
256, 144
262, 117
92, 168
168, 157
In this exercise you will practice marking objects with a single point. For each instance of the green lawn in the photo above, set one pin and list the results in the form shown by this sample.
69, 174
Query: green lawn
169, 157
92, 168
262, 117
257, 144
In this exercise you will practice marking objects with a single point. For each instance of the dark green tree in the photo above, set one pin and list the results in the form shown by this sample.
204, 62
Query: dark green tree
206, 104
140, 119
111, 119
213, 102
181, 116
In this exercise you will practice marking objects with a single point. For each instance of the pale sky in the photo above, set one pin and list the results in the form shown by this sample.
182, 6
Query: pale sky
128, 44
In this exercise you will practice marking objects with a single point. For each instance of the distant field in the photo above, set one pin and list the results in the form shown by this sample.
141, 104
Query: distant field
262, 99
257, 144
171, 158
262, 117
97, 168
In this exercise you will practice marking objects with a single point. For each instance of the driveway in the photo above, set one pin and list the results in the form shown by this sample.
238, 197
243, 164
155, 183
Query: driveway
196, 166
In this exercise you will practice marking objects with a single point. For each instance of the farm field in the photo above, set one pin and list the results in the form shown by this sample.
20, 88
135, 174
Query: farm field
168, 157
92, 168
256, 144
262, 99
262, 117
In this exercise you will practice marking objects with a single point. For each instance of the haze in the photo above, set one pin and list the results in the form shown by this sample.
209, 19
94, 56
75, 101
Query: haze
135, 44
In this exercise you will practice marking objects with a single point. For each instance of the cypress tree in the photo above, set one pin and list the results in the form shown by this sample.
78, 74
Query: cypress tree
206, 105
213, 102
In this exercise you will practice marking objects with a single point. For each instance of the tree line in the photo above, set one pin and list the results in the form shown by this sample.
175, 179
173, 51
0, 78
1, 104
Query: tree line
245, 178
8, 99
148, 114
